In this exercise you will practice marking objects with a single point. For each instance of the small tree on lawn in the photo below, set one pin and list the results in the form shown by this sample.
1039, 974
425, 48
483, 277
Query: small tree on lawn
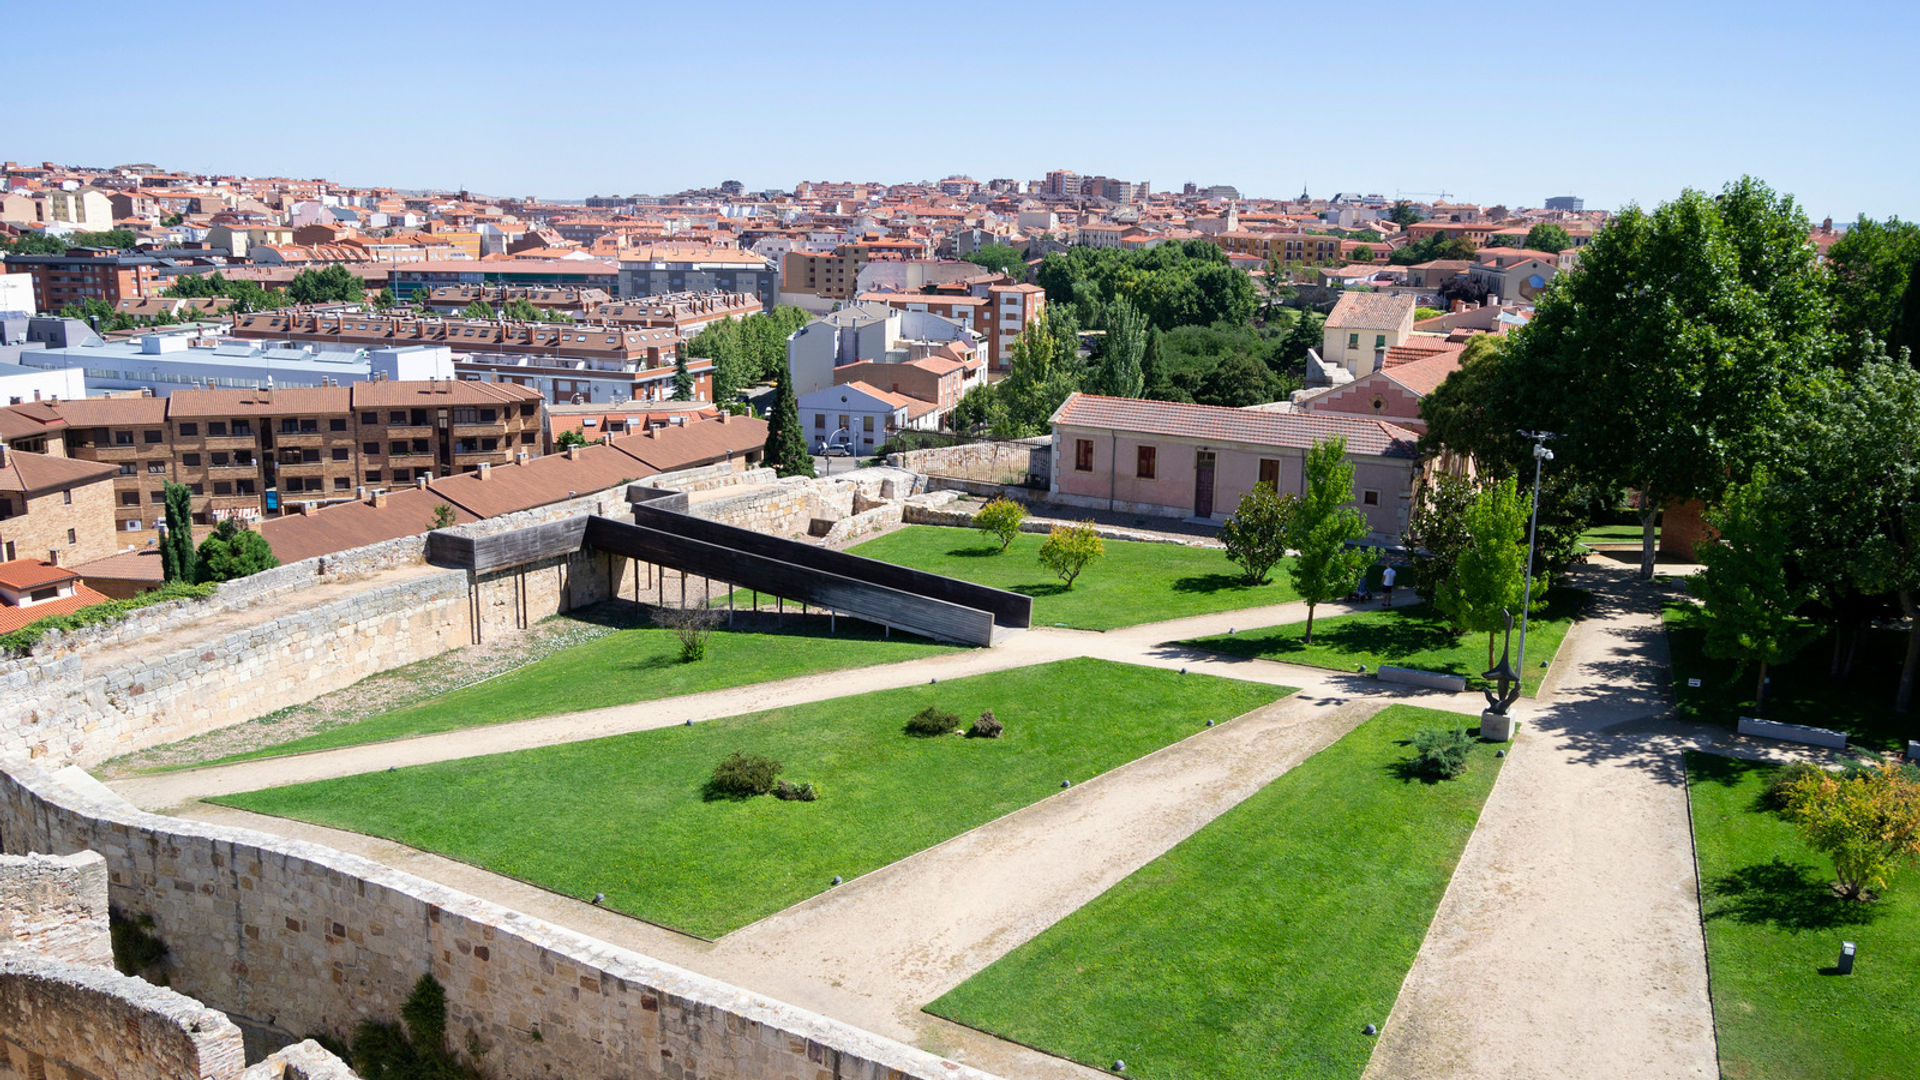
1436, 531
1489, 577
1069, 548
1000, 519
176, 548
1256, 534
1749, 598
1867, 823
232, 552
1325, 567
691, 625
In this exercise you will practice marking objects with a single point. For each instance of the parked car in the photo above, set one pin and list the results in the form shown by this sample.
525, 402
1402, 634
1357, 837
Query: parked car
834, 448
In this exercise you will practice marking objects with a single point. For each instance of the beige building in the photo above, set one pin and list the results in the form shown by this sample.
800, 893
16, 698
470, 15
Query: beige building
53, 508
1362, 326
83, 208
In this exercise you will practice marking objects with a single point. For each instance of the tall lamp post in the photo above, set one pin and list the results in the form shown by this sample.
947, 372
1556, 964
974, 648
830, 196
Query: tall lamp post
1541, 455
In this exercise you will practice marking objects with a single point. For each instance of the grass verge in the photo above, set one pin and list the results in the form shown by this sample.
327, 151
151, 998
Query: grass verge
1774, 930
1415, 636
628, 815
1261, 945
640, 663
1134, 582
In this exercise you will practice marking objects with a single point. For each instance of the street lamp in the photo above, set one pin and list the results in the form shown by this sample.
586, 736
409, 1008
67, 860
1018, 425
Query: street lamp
1541, 455
825, 446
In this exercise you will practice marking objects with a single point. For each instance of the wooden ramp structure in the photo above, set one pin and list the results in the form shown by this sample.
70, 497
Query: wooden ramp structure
664, 534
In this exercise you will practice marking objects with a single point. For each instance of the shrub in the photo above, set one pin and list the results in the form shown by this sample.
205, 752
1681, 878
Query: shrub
691, 625
1442, 753
25, 638
931, 721
1069, 548
1256, 535
743, 776
135, 946
1781, 783
800, 792
987, 727
1868, 823
1000, 519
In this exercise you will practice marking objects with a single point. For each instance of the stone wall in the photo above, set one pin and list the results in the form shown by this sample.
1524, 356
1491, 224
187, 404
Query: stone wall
991, 461
80, 1021
56, 907
304, 939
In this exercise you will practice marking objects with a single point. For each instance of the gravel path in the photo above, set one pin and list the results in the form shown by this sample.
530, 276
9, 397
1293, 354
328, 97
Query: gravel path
1569, 942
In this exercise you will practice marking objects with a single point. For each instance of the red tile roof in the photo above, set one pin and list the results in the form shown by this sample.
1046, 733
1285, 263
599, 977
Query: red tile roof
1213, 423
26, 574
407, 512
13, 618
37, 474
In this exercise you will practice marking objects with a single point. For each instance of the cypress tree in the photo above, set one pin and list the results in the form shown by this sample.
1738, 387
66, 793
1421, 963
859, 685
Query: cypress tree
682, 377
177, 556
786, 452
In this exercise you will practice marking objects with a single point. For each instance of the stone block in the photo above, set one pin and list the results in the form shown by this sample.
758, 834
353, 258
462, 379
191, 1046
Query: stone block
1797, 733
1496, 727
1432, 680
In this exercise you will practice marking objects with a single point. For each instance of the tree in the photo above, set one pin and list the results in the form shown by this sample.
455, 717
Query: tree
1750, 600
1422, 314
176, 547
1120, 372
570, 438
330, 284
1437, 246
1670, 358
1068, 550
1151, 372
478, 309
1436, 531
691, 624
1403, 214
1275, 289
1323, 525
120, 239
786, 449
1868, 823
521, 309
1043, 368
33, 243
232, 552
1547, 236
1905, 335
1001, 258
383, 300
1363, 253
1238, 381
1490, 573
1000, 519
443, 517
1871, 266
1307, 332
171, 220
683, 383
1256, 535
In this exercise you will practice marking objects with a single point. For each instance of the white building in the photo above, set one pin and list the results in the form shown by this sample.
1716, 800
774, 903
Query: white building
867, 331
20, 385
861, 415
164, 363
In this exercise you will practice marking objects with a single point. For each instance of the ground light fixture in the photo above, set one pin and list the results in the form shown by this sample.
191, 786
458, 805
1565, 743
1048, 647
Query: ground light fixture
1370, 1030
599, 898
835, 881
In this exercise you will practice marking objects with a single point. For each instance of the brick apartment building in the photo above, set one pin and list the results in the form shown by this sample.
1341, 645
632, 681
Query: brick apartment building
1287, 247
88, 274
250, 453
54, 508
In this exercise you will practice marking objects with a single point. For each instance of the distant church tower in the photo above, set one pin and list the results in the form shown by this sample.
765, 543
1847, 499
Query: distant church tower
1233, 217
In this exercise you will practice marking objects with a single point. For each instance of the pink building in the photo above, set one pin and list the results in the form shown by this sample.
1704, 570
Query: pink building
1196, 461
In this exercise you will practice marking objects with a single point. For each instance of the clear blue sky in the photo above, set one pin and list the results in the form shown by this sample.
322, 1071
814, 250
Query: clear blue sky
1616, 102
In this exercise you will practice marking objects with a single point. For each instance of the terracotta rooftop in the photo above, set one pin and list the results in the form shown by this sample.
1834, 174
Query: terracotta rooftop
1424, 375
143, 565
684, 446
13, 618
1217, 424
1370, 311
37, 474
31, 420
505, 489
386, 394
105, 412
24, 574
284, 401
406, 512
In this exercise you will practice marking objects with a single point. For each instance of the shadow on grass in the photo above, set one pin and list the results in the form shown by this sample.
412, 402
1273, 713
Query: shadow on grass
1037, 591
976, 552
1211, 583
1784, 895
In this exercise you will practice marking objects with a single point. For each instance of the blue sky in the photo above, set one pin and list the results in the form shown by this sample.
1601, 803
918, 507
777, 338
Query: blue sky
1616, 102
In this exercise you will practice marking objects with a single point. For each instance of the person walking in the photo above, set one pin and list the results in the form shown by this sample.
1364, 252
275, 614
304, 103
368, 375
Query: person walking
1386, 585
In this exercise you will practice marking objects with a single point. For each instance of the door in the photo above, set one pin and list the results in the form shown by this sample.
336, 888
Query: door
1203, 484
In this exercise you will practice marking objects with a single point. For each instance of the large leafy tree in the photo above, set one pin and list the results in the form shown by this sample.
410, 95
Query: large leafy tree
1436, 531
1871, 266
1003, 258
329, 284
1668, 360
1256, 535
1119, 372
683, 381
1749, 590
786, 448
232, 552
1547, 236
1489, 576
1324, 525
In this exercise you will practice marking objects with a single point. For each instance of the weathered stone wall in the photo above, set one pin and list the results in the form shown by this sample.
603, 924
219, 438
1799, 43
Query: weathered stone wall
305, 939
306, 1060
995, 461
56, 907
64, 1019
787, 507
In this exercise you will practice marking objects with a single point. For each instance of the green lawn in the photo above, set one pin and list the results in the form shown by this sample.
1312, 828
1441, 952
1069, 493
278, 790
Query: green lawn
1134, 582
1617, 534
635, 664
1774, 928
1803, 692
1414, 636
1261, 945
626, 815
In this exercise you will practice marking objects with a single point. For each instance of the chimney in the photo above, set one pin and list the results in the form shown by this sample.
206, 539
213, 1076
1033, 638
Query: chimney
360, 492
307, 509
420, 482
3, 453
483, 470
379, 499
573, 453
53, 557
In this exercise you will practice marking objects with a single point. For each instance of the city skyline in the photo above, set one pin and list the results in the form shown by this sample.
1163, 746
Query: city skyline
1629, 109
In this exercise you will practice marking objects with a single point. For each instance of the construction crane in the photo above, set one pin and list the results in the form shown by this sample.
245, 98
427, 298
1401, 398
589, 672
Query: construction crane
1398, 194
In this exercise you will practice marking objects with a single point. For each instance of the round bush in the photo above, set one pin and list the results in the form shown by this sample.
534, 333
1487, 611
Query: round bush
745, 775
987, 727
931, 721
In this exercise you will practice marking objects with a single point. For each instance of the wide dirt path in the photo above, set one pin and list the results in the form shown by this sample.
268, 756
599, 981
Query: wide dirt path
1569, 943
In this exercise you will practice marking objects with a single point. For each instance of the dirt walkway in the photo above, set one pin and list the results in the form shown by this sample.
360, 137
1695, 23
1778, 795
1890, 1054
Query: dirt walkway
1569, 943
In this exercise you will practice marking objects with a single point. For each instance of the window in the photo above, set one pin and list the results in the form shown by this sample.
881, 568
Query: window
150, 436
867, 423
243, 487
216, 427
66, 496
1379, 341
130, 498
1270, 472
220, 458
819, 421
223, 487
242, 427
310, 427
489, 444
526, 438
197, 489
308, 457
123, 438
420, 446
1083, 455
133, 524
397, 448
156, 468
1145, 462
189, 429
72, 537
127, 468
340, 483
1353, 341
338, 423
418, 418
373, 476
400, 476
396, 417
339, 453
289, 426
192, 460
369, 417
1370, 498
